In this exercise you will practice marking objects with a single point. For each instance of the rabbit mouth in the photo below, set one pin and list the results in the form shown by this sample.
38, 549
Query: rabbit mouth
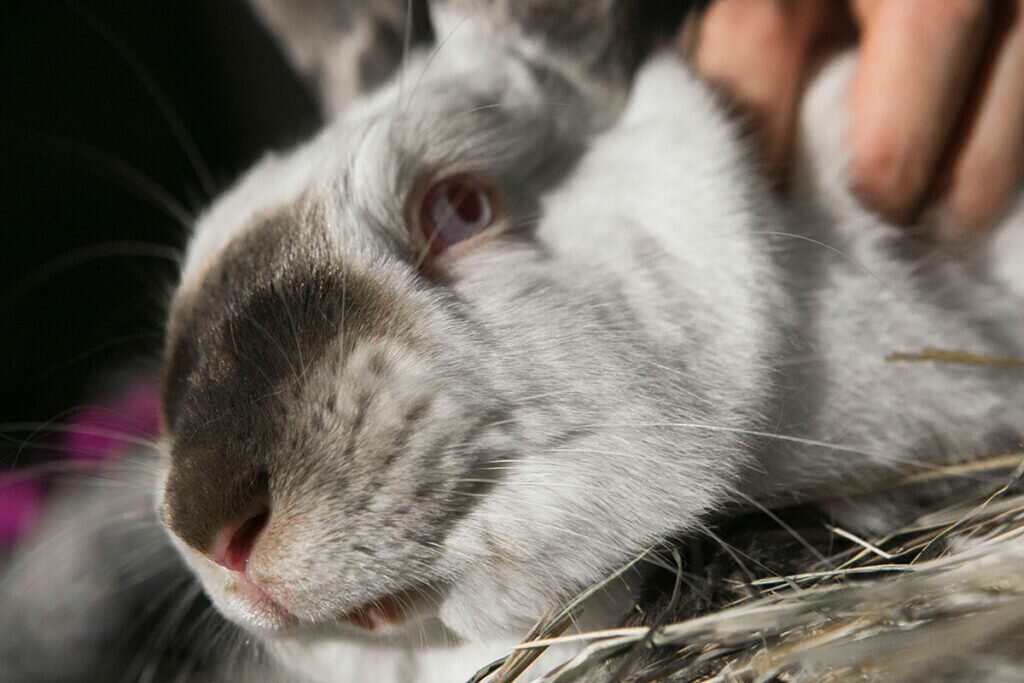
264, 609
391, 610
385, 615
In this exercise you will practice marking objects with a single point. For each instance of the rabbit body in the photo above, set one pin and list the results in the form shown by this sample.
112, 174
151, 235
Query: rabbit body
649, 337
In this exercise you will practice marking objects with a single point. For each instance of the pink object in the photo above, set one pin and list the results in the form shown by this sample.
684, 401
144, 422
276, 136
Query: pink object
94, 435
21, 502
100, 432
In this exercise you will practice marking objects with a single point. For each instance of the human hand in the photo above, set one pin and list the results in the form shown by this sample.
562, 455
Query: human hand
936, 105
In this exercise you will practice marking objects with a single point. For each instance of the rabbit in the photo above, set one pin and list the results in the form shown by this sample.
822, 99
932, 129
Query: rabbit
516, 316
492, 333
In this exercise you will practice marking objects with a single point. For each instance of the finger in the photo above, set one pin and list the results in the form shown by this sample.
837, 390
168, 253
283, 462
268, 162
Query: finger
754, 51
986, 168
917, 59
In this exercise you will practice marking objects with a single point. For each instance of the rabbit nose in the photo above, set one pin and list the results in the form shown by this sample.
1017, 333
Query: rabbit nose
233, 544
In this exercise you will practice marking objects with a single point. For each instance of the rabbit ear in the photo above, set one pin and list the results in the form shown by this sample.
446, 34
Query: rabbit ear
344, 47
603, 41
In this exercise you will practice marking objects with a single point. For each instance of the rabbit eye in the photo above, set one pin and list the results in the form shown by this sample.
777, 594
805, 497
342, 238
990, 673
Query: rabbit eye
455, 209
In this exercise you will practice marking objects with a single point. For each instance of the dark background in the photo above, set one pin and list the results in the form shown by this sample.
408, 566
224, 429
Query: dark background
85, 150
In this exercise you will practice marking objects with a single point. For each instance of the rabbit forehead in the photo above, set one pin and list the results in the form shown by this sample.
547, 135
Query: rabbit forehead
317, 173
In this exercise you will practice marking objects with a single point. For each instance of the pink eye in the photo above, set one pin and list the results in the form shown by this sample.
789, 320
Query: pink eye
455, 209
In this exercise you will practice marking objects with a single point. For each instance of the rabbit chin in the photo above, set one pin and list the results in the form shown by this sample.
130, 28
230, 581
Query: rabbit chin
482, 611
477, 611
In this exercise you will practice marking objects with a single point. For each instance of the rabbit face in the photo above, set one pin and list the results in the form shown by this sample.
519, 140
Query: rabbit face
434, 363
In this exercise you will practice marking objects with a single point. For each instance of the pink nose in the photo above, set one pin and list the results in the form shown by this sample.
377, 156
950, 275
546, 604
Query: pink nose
233, 545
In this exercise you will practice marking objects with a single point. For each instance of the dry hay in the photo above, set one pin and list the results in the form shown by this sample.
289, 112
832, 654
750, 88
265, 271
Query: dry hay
941, 598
